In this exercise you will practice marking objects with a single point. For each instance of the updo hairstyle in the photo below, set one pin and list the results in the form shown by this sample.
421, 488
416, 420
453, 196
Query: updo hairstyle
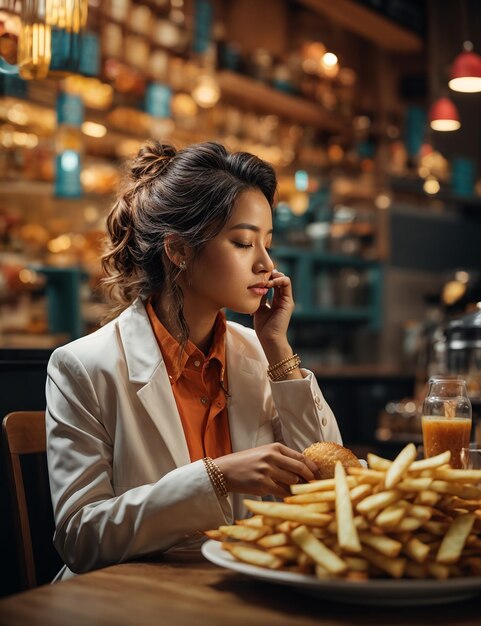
189, 193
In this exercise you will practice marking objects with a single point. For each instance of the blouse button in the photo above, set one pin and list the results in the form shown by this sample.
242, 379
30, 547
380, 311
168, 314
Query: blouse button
197, 363
204, 400
317, 401
324, 421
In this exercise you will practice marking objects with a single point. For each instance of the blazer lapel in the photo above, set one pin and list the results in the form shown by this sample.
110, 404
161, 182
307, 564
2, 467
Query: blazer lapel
244, 404
159, 402
146, 367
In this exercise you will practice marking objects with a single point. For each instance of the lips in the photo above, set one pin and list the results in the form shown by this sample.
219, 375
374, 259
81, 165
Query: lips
259, 289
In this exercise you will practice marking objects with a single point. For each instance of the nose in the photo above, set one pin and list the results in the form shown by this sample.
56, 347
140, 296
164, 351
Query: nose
264, 263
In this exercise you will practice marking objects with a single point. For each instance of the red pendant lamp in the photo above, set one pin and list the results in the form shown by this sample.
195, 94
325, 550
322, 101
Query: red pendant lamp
444, 116
466, 71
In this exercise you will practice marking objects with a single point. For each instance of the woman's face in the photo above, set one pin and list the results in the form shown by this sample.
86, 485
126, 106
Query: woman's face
233, 268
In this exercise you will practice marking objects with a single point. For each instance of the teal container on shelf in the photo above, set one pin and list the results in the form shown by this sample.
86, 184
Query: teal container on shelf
203, 17
158, 99
66, 51
89, 63
463, 176
415, 129
68, 161
70, 109
63, 299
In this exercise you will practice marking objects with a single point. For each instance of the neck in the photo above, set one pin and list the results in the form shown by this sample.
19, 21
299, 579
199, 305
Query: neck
200, 322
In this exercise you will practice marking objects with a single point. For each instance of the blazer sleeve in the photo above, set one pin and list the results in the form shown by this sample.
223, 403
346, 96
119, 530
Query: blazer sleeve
302, 415
94, 526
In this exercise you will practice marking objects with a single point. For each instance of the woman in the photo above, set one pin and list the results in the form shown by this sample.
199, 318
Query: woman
162, 421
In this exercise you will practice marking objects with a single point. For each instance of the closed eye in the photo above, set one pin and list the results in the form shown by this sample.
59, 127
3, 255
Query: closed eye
238, 244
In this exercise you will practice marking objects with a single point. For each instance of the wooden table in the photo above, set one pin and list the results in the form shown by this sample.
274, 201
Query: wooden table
185, 590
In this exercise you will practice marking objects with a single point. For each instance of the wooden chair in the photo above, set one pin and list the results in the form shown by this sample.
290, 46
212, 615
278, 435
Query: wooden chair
24, 434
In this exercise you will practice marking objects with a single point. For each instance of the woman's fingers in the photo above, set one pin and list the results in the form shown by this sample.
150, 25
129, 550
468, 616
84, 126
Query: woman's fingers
298, 468
280, 475
268, 469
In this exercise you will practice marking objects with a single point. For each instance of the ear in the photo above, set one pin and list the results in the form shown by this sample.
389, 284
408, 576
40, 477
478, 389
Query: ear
175, 249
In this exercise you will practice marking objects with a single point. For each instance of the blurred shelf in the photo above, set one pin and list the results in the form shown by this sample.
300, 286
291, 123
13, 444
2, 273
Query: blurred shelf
368, 24
414, 186
45, 189
362, 314
253, 93
323, 257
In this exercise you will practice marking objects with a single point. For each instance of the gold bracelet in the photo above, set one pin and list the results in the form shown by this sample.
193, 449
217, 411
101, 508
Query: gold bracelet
278, 371
284, 372
216, 477
271, 368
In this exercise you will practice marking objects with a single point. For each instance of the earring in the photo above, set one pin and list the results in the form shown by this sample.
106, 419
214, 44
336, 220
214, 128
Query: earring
182, 265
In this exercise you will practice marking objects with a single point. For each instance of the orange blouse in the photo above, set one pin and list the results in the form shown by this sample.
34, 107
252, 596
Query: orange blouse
197, 383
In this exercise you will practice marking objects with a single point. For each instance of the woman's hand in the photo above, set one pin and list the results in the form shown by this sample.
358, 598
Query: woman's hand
266, 470
271, 321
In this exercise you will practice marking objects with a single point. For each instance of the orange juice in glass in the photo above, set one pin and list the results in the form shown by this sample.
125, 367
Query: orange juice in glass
446, 419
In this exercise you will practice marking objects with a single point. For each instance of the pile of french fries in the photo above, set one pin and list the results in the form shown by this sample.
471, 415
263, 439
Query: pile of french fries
399, 519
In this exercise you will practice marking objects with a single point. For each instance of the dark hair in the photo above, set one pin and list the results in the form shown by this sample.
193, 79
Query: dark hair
189, 193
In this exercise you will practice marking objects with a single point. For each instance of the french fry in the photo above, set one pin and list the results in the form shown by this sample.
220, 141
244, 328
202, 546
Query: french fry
392, 515
365, 475
420, 512
414, 484
393, 566
458, 475
462, 491
400, 465
318, 551
255, 557
289, 554
381, 543
347, 536
454, 540
286, 526
327, 484
416, 550
408, 524
273, 541
356, 563
359, 492
427, 498
378, 463
244, 533
214, 534
438, 570
318, 496
431, 462
291, 512
378, 501
255, 520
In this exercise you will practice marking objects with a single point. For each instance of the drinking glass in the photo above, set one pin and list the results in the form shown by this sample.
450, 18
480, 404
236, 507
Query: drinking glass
446, 418
471, 457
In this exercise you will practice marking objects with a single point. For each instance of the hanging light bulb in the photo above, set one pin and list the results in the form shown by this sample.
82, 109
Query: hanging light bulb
466, 71
444, 116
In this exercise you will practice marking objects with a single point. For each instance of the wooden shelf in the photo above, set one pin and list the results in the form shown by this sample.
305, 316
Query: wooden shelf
368, 24
265, 98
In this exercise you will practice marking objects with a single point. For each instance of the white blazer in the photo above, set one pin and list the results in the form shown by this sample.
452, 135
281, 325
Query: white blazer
121, 479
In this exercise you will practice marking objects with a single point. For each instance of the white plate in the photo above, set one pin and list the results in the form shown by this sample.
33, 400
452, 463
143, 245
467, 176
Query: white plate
375, 592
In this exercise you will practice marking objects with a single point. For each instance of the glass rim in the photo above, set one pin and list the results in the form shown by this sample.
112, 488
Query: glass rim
447, 378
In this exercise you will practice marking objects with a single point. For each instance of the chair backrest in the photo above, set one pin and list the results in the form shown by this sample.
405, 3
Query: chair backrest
24, 433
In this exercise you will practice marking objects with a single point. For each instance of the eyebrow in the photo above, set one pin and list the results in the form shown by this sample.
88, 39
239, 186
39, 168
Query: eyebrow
249, 227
